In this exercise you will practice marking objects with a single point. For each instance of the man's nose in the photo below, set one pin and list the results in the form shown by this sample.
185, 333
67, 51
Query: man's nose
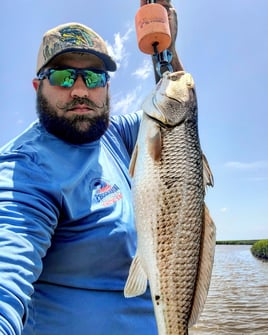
79, 88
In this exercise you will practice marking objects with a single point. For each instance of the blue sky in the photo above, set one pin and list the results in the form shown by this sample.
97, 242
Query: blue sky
225, 47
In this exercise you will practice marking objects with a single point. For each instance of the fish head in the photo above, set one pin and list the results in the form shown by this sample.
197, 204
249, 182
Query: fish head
172, 99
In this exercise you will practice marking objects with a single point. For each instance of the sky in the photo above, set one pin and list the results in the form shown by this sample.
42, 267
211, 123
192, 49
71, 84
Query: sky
224, 45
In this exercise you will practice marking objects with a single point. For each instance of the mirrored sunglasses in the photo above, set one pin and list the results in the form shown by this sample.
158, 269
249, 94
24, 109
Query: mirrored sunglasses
66, 77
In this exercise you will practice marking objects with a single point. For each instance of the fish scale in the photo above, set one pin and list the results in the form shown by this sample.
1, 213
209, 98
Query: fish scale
169, 177
179, 244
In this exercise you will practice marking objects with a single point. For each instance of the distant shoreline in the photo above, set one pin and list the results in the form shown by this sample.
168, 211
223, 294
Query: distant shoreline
237, 242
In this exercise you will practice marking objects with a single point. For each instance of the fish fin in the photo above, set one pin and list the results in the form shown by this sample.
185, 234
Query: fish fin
207, 174
154, 141
133, 161
137, 279
205, 267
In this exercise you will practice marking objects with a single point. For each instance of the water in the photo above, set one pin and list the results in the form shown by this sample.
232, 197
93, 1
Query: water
237, 301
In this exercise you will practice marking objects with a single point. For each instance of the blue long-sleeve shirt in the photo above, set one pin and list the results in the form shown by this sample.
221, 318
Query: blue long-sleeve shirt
67, 235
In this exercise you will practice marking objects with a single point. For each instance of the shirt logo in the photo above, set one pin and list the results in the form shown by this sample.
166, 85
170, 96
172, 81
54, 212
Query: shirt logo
105, 193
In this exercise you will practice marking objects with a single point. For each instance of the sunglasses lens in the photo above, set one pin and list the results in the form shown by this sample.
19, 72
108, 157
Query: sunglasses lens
67, 77
94, 79
64, 78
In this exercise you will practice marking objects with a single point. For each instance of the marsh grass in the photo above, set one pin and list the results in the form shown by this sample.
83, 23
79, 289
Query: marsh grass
260, 249
237, 242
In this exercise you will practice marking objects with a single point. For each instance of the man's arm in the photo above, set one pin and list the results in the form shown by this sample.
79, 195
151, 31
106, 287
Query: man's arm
28, 217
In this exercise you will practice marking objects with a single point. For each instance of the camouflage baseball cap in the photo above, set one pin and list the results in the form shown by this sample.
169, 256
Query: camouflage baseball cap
73, 37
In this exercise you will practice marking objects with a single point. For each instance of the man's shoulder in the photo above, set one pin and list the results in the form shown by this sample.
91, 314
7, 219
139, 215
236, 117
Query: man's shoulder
125, 128
33, 142
27, 136
129, 119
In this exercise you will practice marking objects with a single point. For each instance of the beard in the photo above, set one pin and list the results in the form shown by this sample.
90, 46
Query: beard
78, 129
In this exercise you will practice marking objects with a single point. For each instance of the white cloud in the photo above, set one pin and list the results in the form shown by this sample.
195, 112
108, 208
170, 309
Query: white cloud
127, 104
258, 179
118, 50
247, 166
145, 70
224, 209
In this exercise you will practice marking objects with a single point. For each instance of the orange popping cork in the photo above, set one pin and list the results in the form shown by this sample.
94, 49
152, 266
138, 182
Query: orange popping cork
152, 28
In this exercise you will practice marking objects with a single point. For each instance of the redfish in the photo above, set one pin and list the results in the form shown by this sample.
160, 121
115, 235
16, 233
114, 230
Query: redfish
175, 233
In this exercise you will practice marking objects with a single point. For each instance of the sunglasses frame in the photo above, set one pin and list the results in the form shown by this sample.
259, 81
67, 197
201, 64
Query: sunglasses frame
77, 71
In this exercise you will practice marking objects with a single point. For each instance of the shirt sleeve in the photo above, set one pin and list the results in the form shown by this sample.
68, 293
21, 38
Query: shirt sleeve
28, 216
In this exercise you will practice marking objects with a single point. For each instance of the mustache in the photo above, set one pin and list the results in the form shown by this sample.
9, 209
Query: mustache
79, 101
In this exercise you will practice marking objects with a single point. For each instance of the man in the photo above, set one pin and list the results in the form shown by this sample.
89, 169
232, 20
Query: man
67, 232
